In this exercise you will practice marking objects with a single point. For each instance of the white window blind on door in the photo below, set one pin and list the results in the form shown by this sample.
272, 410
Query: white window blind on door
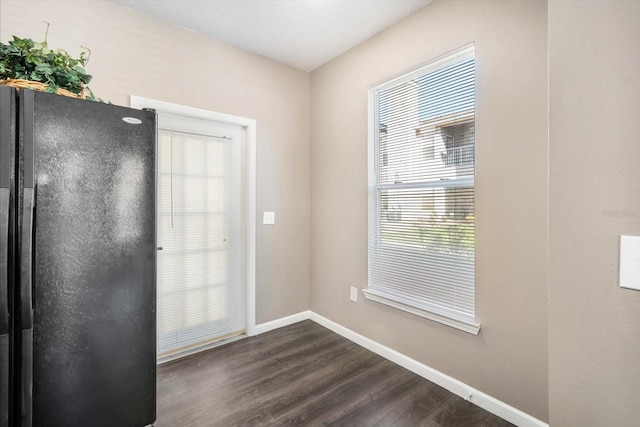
200, 290
421, 191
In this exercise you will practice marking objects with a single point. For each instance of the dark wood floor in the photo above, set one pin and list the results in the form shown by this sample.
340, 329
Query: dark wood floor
304, 375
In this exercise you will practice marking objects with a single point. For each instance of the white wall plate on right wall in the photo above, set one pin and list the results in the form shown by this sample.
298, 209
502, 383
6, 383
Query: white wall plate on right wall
630, 262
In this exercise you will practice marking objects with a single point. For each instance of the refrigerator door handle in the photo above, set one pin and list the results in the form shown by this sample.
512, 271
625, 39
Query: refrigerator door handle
4, 306
26, 258
26, 305
4, 261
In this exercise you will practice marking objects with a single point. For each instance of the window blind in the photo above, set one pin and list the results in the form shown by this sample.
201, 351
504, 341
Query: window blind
421, 191
200, 264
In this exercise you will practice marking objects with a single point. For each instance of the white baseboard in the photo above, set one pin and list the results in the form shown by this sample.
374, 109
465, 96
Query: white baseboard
279, 323
483, 400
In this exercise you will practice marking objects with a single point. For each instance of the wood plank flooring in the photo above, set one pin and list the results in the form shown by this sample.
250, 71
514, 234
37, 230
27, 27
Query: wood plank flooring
304, 375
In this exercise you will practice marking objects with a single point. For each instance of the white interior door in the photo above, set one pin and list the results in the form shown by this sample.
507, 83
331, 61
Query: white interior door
200, 232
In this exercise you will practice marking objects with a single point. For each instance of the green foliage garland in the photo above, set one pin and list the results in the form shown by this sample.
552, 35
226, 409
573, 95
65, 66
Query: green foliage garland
28, 60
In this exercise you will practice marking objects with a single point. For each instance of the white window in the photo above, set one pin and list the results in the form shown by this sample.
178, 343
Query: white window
421, 207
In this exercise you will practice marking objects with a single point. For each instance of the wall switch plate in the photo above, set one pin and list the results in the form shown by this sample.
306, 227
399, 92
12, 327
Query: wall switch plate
354, 294
630, 262
269, 218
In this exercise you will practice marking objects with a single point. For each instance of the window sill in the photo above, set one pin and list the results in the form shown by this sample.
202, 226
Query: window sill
469, 327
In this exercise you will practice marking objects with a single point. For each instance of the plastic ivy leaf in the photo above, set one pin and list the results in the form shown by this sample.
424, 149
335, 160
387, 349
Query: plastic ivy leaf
44, 69
35, 76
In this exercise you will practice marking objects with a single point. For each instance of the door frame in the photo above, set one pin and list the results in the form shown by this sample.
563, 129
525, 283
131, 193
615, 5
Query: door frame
249, 135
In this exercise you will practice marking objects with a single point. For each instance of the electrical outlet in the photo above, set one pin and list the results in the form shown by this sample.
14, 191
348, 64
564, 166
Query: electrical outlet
354, 294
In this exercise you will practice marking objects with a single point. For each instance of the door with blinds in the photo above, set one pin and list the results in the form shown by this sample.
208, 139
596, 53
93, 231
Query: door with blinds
200, 233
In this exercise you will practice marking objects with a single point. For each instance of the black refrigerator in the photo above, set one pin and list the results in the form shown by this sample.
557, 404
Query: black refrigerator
77, 262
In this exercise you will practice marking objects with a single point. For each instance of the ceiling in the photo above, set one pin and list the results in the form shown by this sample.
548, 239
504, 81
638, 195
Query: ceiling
302, 33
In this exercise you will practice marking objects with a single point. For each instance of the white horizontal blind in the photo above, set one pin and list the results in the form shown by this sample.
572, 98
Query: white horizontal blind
199, 217
421, 188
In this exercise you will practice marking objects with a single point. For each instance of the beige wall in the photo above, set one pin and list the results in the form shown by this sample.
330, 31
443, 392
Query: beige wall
136, 54
594, 139
584, 370
508, 360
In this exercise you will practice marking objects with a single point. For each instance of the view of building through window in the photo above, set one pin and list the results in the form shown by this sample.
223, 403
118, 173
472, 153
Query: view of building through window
426, 137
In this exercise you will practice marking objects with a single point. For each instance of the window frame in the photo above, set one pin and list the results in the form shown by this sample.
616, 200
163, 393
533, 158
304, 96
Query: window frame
383, 294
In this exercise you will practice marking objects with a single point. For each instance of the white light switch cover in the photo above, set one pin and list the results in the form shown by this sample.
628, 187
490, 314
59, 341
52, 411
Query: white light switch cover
630, 262
269, 218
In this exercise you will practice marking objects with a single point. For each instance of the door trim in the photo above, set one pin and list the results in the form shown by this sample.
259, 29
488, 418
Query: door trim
249, 128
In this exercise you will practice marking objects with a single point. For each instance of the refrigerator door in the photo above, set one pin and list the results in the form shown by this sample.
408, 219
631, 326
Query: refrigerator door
94, 324
7, 150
